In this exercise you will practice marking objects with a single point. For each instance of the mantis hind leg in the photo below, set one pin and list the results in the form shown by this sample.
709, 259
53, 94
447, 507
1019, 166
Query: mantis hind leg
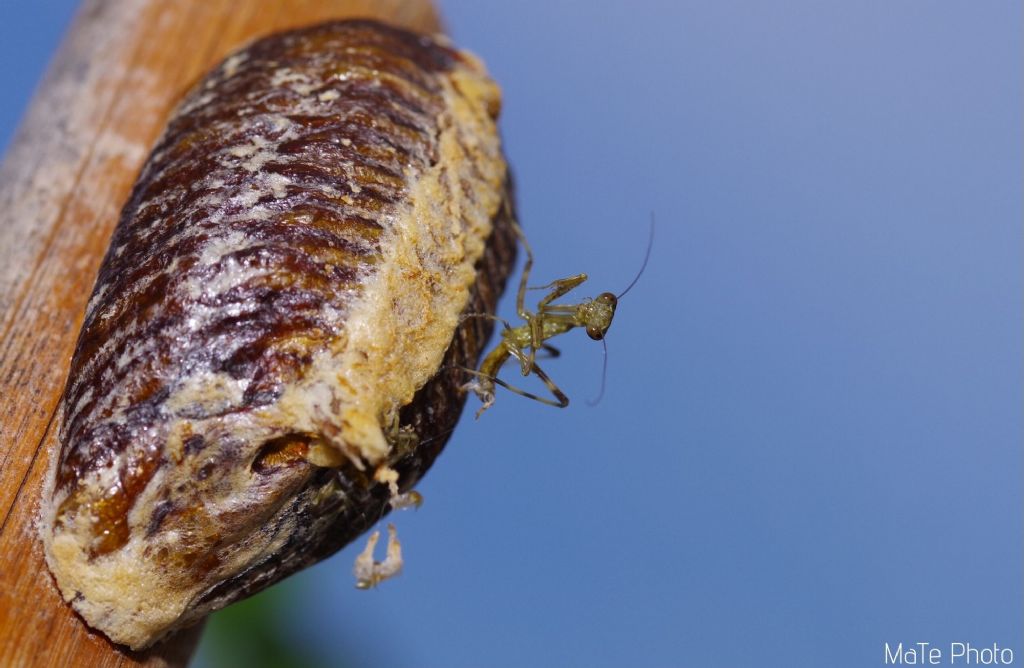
559, 287
527, 266
559, 401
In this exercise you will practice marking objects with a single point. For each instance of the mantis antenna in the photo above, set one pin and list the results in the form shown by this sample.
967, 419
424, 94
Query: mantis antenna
643, 266
647, 256
604, 376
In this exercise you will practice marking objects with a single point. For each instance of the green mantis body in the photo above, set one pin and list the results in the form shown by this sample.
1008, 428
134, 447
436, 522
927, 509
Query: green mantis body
539, 326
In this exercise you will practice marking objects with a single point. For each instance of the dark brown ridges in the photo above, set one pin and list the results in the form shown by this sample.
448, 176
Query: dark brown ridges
279, 131
281, 187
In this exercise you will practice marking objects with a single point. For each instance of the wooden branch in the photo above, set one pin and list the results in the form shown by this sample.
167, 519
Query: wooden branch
101, 106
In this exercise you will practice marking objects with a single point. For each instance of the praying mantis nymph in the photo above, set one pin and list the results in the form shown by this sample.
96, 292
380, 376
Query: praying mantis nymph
522, 343
539, 326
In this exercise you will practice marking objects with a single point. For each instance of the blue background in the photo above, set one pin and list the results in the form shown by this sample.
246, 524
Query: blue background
810, 442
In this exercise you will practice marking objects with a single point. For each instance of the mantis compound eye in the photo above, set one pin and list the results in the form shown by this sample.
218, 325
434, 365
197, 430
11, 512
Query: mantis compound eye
595, 333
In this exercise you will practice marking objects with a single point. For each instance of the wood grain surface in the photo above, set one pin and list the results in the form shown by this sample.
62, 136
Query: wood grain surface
103, 103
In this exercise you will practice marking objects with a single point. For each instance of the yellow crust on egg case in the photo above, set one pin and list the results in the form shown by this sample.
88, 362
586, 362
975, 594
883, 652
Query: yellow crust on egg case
404, 323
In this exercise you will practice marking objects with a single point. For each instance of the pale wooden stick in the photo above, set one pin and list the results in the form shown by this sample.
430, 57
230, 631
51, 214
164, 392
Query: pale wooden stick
103, 103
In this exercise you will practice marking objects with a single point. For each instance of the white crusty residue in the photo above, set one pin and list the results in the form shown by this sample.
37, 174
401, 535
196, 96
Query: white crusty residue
369, 572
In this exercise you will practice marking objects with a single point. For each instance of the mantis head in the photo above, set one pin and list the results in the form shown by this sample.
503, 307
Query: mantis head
597, 315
